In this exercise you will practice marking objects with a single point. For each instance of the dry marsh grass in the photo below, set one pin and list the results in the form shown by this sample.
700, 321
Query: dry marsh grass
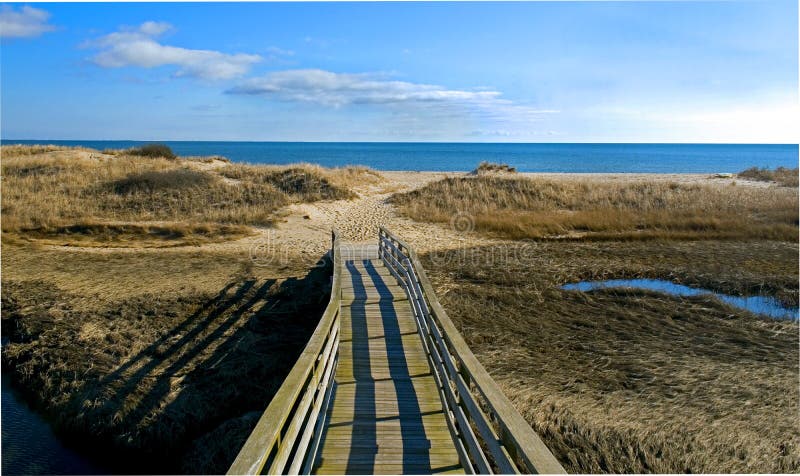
17, 150
543, 208
634, 381
331, 182
134, 235
305, 183
781, 175
98, 279
48, 188
159, 382
156, 360
488, 168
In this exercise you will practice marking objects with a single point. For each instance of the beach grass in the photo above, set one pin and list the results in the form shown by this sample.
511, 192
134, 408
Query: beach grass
631, 381
81, 193
540, 208
781, 175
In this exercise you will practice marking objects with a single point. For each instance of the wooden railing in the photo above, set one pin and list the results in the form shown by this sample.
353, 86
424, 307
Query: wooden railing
490, 435
287, 436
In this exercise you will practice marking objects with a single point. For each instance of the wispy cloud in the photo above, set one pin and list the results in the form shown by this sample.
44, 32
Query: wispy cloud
139, 47
275, 51
414, 108
340, 89
27, 22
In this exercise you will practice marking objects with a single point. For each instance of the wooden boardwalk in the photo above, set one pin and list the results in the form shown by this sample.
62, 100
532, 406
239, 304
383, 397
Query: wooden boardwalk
387, 385
386, 415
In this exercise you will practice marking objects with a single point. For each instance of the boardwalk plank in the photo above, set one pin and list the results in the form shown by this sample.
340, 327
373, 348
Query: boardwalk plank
386, 416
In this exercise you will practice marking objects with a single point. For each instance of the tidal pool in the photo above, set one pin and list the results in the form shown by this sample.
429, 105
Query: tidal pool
766, 306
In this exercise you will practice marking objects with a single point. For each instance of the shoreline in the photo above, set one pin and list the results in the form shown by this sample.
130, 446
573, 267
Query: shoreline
441, 157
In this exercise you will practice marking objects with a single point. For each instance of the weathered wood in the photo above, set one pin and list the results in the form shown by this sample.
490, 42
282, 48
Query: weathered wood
327, 365
387, 469
310, 457
488, 436
384, 385
385, 396
518, 439
265, 442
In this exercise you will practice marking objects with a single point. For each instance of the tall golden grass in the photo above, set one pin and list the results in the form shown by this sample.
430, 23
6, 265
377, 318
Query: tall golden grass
291, 177
543, 208
781, 175
636, 381
151, 383
49, 187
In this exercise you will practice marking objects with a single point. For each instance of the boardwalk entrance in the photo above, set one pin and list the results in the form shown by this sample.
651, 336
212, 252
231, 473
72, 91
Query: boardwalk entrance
387, 384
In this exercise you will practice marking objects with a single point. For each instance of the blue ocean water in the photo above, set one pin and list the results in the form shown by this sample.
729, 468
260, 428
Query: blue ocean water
592, 158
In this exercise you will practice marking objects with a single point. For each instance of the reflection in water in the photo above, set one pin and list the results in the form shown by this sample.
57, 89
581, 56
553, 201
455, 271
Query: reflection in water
763, 305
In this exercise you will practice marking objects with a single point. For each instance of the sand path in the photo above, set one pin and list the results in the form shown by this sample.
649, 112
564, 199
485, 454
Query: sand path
304, 230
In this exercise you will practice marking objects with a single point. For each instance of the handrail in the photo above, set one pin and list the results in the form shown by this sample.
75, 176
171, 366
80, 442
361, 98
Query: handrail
287, 434
506, 443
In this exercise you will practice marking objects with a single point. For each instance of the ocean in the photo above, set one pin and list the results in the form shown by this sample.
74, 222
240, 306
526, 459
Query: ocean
589, 158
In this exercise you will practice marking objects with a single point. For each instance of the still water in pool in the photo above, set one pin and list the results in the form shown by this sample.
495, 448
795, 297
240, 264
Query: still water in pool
763, 305
29, 444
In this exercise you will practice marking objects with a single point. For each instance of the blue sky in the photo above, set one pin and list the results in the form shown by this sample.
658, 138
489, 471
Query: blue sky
461, 72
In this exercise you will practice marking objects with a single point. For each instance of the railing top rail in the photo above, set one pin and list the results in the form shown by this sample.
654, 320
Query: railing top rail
267, 434
528, 445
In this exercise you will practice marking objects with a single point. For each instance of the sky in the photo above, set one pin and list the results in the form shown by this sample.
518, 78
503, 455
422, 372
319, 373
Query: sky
720, 72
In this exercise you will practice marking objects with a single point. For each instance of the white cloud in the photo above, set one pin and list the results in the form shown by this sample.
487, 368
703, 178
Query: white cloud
154, 28
340, 89
138, 47
27, 22
426, 109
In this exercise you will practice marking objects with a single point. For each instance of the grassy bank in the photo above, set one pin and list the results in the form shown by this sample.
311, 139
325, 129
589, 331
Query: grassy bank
159, 362
638, 382
781, 175
90, 196
519, 207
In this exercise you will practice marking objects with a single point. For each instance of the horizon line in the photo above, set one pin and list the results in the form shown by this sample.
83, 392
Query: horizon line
3, 140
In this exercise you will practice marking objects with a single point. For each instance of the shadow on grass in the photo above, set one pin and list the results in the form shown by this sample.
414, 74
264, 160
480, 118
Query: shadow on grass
187, 399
